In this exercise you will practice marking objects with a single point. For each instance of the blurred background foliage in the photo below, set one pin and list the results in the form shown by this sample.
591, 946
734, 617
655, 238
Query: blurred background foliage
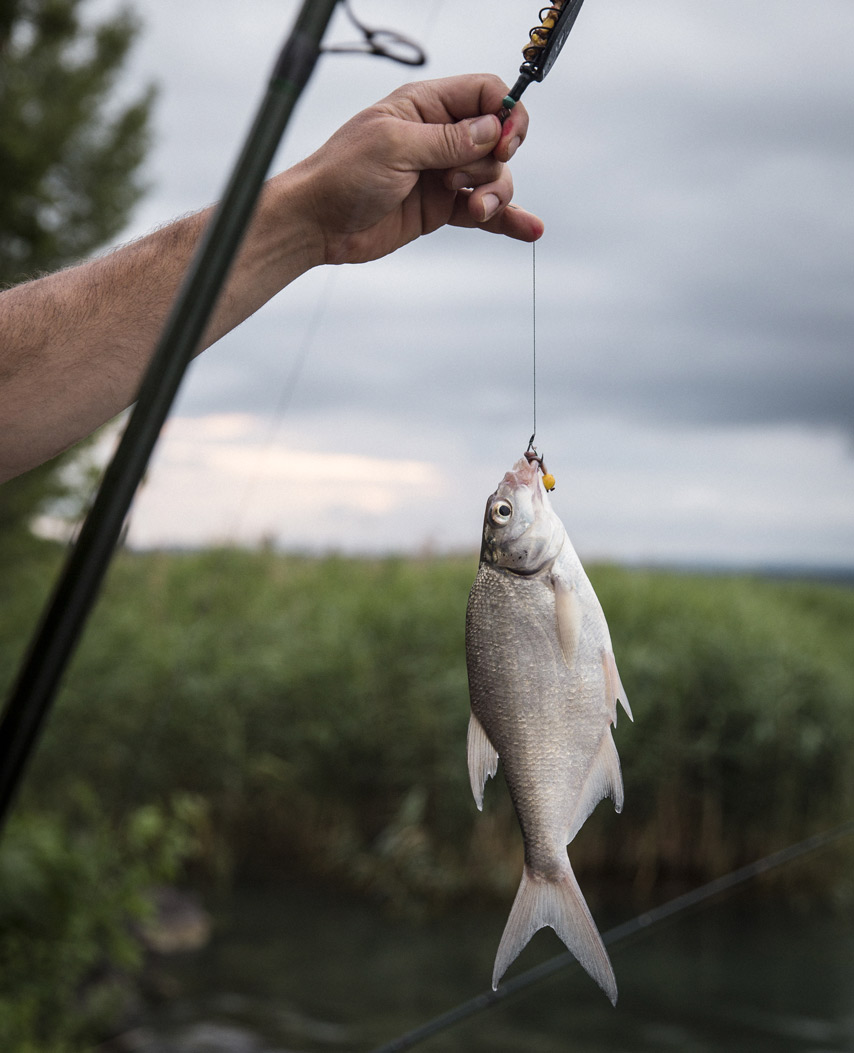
315, 711
74, 890
70, 174
319, 707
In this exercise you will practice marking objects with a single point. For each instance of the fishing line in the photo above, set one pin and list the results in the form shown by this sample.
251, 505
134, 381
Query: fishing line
160, 712
156, 726
283, 403
534, 328
641, 924
430, 21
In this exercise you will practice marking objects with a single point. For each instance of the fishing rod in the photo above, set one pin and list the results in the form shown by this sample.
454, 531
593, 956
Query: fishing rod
546, 41
80, 580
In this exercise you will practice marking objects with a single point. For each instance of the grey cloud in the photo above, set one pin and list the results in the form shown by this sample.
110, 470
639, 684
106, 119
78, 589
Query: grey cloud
694, 164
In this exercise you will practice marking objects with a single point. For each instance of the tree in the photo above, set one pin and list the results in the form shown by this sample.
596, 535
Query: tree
70, 158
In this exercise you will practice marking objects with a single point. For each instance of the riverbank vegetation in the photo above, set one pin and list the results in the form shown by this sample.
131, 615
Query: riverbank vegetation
74, 906
319, 708
234, 716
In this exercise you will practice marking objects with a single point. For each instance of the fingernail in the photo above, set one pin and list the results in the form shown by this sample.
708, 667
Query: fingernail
490, 206
483, 130
460, 181
515, 143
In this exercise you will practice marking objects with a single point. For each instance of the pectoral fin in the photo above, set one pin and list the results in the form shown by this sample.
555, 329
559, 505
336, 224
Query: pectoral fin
568, 612
482, 758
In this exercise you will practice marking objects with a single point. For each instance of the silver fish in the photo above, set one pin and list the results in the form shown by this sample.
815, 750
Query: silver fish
544, 687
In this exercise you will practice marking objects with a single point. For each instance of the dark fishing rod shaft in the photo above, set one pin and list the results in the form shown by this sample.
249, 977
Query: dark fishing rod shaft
75, 593
643, 923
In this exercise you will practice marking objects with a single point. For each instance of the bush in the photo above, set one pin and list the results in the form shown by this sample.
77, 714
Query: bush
320, 707
72, 889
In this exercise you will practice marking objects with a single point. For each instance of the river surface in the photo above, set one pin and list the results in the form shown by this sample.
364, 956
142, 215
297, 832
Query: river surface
300, 969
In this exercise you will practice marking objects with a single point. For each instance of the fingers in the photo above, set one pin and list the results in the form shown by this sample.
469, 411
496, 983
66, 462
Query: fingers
451, 122
512, 134
432, 152
491, 187
485, 169
490, 182
451, 127
453, 99
449, 146
511, 221
478, 173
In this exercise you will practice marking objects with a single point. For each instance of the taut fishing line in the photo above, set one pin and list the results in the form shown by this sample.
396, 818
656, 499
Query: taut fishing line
283, 402
636, 926
294, 374
534, 331
545, 42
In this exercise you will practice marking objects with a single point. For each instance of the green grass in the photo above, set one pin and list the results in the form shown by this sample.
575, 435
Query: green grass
320, 708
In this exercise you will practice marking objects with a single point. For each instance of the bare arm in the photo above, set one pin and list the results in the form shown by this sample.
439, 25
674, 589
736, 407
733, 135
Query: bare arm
74, 345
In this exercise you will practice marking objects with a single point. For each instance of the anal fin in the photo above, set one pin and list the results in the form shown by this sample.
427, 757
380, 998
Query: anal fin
614, 687
604, 779
482, 759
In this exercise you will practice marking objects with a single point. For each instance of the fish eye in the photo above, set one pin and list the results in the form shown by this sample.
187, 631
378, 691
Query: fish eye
501, 512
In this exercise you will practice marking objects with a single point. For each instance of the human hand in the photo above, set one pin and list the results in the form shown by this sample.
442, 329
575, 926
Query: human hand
431, 153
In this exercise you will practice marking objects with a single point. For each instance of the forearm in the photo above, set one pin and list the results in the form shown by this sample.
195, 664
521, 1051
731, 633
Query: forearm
74, 345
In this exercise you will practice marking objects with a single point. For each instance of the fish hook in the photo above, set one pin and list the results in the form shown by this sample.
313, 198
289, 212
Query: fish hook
532, 457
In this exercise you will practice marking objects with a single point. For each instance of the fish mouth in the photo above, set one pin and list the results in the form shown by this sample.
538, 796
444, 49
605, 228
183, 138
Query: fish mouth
523, 473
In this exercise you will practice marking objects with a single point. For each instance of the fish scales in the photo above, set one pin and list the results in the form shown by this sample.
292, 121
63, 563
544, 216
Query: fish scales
530, 704
543, 686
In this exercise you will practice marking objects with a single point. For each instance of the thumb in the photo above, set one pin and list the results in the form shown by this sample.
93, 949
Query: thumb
440, 146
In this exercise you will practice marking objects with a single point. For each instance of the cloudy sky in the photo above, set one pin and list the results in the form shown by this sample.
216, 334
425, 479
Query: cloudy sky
694, 166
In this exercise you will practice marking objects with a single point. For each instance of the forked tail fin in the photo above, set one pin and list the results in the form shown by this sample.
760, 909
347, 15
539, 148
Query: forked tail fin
560, 904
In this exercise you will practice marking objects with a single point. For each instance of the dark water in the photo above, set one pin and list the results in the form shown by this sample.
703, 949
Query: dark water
298, 969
